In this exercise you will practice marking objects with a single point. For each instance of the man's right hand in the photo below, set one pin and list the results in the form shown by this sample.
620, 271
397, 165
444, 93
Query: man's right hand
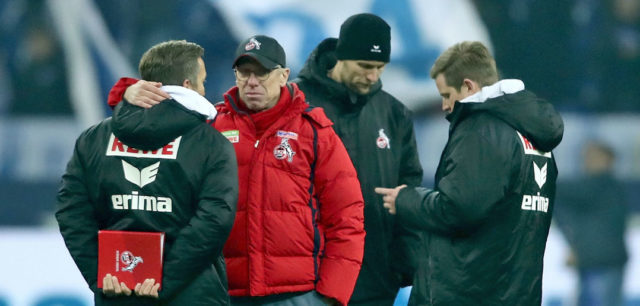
145, 94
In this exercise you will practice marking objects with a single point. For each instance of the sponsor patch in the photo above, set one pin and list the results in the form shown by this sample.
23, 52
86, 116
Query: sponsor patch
287, 134
530, 149
118, 148
233, 135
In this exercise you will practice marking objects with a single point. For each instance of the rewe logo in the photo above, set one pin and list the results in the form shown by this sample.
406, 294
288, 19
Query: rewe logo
530, 149
140, 177
115, 147
233, 135
540, 174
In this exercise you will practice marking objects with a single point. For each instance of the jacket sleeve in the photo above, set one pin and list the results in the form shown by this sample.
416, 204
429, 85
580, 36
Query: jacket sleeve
410, 168
77, 220
476, 178
405, 249
116, 93
201, 241
341, 215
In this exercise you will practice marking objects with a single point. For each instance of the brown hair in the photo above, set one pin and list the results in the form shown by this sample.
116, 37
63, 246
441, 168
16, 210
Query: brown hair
466, 60
171, 62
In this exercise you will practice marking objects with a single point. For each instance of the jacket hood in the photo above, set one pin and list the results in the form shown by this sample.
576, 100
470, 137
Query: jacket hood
321, 60
150, 129
533, 117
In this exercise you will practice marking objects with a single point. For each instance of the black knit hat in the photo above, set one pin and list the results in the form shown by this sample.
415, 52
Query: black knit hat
364, 37
264, 49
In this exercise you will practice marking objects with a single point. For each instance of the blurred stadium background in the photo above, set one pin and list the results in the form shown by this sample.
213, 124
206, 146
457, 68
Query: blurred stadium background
60, 57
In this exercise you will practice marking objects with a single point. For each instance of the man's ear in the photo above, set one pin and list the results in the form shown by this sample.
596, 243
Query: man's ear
186, 83
284, 76
470, 86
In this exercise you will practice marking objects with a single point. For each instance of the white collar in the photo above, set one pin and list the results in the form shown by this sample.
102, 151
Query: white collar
500, 88
191, 100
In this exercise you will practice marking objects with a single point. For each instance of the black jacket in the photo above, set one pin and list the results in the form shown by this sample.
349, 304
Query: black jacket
196, 168
377, 131
488, 217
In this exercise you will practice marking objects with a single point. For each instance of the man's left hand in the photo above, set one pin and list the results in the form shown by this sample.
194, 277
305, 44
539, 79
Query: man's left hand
148, 288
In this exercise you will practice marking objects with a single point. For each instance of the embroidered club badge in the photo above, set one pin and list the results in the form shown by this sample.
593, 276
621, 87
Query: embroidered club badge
383, 141
284, 150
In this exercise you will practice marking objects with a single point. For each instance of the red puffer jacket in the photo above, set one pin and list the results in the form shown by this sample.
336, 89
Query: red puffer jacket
299, 222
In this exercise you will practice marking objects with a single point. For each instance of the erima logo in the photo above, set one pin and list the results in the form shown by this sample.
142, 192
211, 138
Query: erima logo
134, 201
140, 177
530, 149
540, 174
537, 202
376, 49
117, 148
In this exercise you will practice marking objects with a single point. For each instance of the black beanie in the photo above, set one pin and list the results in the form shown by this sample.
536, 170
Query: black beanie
364, 37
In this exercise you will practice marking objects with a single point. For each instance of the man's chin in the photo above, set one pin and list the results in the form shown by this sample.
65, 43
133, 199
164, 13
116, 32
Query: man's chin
361, 90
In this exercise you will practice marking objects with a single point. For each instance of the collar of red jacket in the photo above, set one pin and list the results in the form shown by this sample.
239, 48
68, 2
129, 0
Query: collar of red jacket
291, 103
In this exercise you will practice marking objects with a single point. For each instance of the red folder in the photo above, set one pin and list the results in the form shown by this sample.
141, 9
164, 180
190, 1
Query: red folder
130, 256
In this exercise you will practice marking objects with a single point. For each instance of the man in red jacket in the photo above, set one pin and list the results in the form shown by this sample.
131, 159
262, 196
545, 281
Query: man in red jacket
298, 237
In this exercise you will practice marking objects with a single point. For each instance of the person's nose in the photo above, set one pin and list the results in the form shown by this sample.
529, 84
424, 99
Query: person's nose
253, 80
445, 106
373, 75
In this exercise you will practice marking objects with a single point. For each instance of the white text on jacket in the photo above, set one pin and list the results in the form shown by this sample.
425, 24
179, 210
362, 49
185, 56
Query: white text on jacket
134, 201
535, 202
115, 147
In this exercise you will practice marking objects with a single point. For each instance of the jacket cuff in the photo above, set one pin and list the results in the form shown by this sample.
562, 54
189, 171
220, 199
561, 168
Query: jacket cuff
404, 201
338, 279
117, 91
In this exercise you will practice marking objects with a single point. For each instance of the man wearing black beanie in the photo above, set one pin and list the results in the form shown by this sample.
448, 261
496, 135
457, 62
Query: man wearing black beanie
343, 77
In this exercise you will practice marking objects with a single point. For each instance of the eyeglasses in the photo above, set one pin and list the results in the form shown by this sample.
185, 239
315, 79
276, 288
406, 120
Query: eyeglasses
262, 75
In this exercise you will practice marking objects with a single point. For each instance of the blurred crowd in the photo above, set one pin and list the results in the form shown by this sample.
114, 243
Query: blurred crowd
34, 71
583, 55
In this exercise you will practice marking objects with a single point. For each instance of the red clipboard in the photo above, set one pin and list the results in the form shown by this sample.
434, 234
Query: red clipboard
130, 256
